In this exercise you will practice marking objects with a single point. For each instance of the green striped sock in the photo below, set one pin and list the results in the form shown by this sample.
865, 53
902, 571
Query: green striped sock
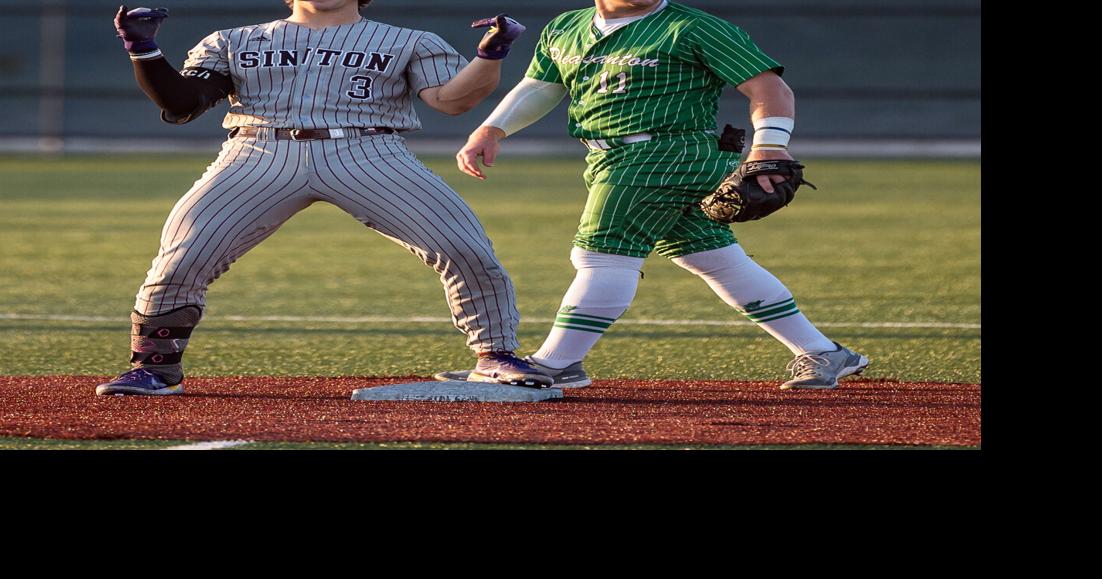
784, 321
767, 313
583, 322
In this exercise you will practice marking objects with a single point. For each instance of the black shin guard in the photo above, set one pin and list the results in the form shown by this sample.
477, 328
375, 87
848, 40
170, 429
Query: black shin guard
157, 342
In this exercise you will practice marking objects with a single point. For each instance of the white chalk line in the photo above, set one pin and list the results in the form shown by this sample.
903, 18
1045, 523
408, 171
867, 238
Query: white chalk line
442, 320
210, 445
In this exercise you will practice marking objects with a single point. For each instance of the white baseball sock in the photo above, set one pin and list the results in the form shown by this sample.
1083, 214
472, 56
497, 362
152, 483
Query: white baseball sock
602, 291
758, 295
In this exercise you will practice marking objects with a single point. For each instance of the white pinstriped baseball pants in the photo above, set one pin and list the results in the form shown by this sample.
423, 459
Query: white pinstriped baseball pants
254, 186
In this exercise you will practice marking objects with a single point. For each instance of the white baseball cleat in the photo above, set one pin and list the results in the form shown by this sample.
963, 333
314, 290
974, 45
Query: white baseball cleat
821, 370
572, 376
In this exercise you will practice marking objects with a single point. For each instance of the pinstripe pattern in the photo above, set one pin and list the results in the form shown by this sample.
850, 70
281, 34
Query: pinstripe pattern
353, 75
642, 197
660, 74
663, 75
255, 186
356, 75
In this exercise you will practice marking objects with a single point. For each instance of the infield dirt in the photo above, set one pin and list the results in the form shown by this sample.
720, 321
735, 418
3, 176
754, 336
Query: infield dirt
860, 412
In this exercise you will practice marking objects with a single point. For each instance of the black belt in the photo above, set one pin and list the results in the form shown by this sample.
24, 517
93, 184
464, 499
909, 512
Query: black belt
269, 133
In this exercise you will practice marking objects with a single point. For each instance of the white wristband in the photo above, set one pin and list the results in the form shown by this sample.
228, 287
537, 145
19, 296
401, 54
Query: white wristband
147, 55
773, 132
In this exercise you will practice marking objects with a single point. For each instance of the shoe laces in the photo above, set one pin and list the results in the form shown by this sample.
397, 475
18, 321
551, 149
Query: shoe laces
807, 365
134, 376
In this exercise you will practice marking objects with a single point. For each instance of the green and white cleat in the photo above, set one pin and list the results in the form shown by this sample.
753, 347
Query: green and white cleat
822, 370
572, 376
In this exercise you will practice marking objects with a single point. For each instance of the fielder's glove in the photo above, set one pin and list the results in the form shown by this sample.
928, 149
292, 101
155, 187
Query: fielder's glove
499, 38
741, 198
137, 27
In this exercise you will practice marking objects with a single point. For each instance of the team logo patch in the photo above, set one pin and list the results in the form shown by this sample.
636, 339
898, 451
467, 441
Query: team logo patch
196, 73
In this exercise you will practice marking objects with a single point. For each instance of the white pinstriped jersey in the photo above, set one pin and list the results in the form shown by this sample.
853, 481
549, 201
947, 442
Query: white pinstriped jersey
363, 74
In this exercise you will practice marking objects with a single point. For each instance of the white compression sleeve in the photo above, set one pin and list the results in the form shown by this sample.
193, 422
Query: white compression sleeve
527, 103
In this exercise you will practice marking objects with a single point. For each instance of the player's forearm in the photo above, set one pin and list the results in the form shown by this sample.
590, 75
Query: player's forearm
165, 87
528, 102
773, 110
181, 98
177, 96
769, 97
471, 86
775, 105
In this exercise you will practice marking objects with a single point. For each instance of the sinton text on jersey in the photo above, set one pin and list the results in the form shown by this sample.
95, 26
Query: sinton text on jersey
326, 57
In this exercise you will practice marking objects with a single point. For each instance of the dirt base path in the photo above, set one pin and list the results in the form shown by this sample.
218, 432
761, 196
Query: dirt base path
609, 412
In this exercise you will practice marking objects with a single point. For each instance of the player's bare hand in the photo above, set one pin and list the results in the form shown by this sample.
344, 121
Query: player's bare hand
767, 181
482, 143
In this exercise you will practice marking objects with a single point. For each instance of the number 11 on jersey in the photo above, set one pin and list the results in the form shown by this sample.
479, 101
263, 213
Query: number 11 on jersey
623, 88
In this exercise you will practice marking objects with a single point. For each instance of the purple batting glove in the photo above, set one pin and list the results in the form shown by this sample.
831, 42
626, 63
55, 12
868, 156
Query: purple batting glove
499, 39
137, 27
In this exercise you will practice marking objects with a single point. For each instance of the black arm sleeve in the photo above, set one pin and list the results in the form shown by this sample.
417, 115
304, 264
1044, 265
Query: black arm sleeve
182, 97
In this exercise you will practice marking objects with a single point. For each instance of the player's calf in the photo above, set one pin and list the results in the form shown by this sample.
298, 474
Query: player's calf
603, 288
157, 346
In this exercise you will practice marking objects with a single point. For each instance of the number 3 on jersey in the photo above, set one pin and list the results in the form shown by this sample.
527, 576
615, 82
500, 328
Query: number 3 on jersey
623, 88
361, 87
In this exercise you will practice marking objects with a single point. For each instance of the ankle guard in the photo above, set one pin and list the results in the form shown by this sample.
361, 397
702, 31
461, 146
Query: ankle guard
157, 343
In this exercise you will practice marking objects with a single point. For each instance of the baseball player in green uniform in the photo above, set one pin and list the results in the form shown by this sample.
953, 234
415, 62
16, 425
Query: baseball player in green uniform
644, 79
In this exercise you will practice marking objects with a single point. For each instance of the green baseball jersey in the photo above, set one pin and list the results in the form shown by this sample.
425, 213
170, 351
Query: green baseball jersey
660, 74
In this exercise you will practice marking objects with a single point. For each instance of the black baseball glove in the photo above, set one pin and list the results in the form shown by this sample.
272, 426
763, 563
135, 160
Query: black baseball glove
741, 198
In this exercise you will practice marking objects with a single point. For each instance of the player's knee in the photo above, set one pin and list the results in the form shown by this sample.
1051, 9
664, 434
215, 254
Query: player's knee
465, 261
585, 259
713, 260
484, 257
604, 285
604, 280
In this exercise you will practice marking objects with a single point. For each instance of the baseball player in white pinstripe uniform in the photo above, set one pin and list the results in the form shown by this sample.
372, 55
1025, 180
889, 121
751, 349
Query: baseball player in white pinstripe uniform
317, 102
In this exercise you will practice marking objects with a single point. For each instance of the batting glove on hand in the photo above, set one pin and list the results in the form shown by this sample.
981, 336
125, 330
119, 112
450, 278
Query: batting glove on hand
499, 39
137, 27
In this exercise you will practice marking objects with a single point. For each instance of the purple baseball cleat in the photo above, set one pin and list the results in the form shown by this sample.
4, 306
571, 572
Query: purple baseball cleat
141, 382
505, 368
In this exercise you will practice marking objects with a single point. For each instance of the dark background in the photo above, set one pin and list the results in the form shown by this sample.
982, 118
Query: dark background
860, 68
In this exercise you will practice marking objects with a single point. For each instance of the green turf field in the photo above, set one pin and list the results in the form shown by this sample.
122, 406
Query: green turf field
880, 242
